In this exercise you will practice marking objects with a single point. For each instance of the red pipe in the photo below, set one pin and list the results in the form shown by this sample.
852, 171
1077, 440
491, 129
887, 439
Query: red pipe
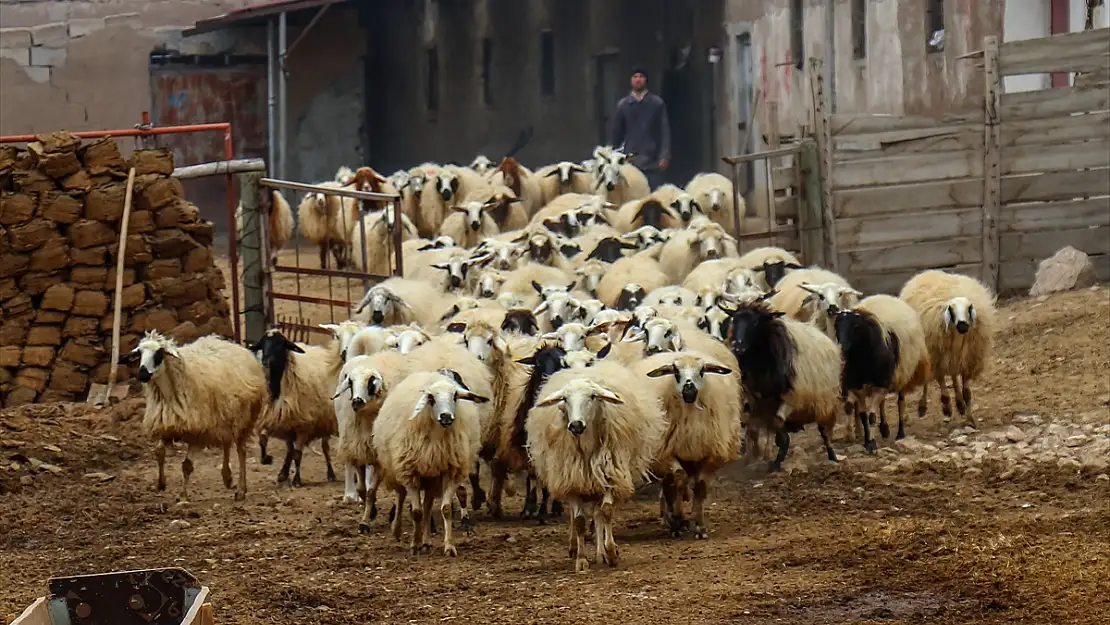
229, 154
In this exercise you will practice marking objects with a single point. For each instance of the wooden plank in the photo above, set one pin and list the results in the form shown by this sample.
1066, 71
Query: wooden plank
1088, 126
970, 139
785, 179
932, 225
1059, 44
811, 217
909, 197
1058, 157
786, 207
1086, 63
1039, 245
844, 125
891, 282
914, 256
1019, 274
1044, 103
758, 156
909, 168
1064, 215
194, 615
1060, 185
823, 132
992, 171
1092, 78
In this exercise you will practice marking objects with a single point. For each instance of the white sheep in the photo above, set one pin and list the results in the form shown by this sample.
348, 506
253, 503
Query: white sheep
713, 193
591, 438
629, 280
672, 296
503, 255
701, 402
426, 440
379, 226
469, 223
301, 381
799, 303
209, 393
399, 301
327, 220
620, 184
884, 352
363, 385
521, 280
958, 317
557, 308
689, 247
825, 301
559, 178
481, 164
667, 195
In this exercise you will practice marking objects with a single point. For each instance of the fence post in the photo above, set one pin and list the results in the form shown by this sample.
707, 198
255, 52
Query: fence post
810, 214
250, 247
823, 134
992, 171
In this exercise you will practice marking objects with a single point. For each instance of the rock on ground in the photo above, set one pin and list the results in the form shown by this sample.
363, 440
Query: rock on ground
1067, 269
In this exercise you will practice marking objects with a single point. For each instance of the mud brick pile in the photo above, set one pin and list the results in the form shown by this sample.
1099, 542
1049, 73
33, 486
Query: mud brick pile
61, 209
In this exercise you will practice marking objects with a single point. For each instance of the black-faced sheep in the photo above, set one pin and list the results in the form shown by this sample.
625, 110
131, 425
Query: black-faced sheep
958, 318
770, 264
629, 280
209, 393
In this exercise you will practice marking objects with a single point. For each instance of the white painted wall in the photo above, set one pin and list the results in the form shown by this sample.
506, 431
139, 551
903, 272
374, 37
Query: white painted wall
1077, 14
1028, 19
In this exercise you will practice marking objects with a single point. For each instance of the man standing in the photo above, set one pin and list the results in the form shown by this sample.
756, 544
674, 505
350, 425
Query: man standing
641, 125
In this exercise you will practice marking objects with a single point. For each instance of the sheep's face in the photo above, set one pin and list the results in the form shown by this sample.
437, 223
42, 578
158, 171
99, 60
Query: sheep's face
571, 336
447, 184
416, 183
590, 274
959, 314
481, 341
400, 179
504, 255
775, 270
560, 307
686, 207
443, 241
689, 376
646, 236
739, 280
747, 325
382, 304
607, 316
591, 308
580, 359
344, 332
541, 248
489, 283
441, 399
828, 299
716, 199
671, 297
710, 241
520, 321
569, 223
365, 386
509, 301
609, 177
631, 296
481, 164
707, 297
660, 336
407, 340
457, 267
579, 401
272, 350
566, 173
715, 323
151, 352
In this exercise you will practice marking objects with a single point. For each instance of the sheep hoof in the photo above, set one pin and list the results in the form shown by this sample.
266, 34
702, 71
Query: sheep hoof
297, 481
921, 410
363, 528
871, 446
450, 550
961, 406
946, 407
556, 508
465, 525
884, 430
871, 419
331, 474
432, 527
240, 496
160, 487
349, 498
700, 533
478, 500
373, 511
774, 467
581, 565
267, 459
392, 512
901, 433
283, 477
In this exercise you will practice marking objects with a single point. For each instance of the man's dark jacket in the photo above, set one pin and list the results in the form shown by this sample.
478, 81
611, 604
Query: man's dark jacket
642, 126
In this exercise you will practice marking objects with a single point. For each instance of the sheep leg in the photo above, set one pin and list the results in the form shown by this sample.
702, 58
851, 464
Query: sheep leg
701, 489
353, 487
241, 448
603, 519
581, 564
966, 394
399, 495
417, 521
556, 508
529, 498
324, 447
186, 472
826, 437
225, 471
572, 547
465, 523
373, 480
669, 495
449, 548
782, 440
298, 452
868, 442
263, 457
901, 417
850, 408
160, 456
751, 448
945, 402
884, 429
923, 403
499, 474
324, 255
283, 474
479, 498
541, 514
429, 501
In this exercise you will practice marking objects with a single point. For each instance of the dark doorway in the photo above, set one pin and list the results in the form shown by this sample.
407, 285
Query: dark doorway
684, 94
608, 90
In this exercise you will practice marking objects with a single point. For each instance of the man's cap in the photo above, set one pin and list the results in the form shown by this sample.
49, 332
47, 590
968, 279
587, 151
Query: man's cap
639, 70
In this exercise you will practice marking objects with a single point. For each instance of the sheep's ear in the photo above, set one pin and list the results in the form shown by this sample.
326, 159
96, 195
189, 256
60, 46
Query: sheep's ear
760, 269
421, 404
457, 326
522, 237
711, 367
553, 172
450, 313
443, 266
459, 209
662, 371
606, 395
331, 327
473, 397
812, 288
539, 310
971, 313
133, 356
569, 249
552, 399
344, 384
500, 345
537, 287
793, 266
677, 340
600, 328
604, 351
777, 313
529, 361
633, 336
290, 345
858, 294
425, 248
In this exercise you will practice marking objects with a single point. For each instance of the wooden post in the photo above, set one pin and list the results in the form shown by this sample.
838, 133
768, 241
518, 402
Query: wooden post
992, 170
822, 133
769, 164
250, 245
810, 215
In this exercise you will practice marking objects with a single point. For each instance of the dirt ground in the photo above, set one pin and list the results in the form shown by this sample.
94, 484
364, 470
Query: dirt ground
911, 535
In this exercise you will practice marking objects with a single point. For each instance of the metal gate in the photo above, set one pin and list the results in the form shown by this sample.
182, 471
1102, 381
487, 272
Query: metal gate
297, 297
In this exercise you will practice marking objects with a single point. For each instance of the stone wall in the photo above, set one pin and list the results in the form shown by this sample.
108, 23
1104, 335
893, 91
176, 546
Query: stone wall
61, 206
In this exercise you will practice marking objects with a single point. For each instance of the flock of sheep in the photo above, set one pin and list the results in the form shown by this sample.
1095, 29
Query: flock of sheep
572, 328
